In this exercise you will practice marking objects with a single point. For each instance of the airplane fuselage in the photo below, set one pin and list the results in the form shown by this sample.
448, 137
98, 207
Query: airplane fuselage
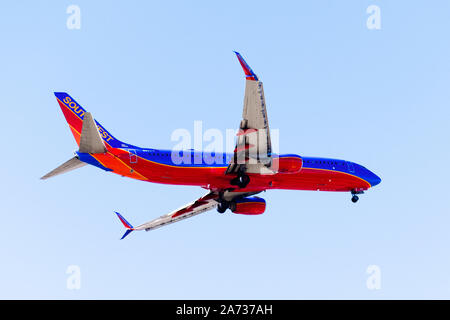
208, 170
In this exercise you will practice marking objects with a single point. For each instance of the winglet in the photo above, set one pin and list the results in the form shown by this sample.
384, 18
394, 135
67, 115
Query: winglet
249, 74
126, 224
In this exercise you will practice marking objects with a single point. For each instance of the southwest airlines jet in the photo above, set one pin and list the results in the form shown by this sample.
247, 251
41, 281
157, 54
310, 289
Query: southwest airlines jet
232, 180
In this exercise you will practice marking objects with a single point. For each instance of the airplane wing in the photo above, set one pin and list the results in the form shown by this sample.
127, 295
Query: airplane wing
205, 203
208, 202
253, 152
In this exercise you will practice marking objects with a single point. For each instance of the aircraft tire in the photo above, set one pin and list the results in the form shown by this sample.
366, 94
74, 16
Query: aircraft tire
222, 207
243, 181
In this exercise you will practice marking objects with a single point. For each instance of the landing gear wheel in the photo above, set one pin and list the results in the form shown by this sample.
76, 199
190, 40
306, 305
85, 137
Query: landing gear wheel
234, 181
222, 207
355, 199
243, 181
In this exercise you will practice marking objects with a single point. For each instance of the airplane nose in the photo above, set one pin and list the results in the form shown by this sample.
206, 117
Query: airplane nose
374, 179
368, 175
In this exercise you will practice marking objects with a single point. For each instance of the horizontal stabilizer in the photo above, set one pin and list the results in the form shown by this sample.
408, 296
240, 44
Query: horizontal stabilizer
67, 166
90, 140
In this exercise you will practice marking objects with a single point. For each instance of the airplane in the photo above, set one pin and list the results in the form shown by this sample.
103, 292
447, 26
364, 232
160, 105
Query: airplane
231, 179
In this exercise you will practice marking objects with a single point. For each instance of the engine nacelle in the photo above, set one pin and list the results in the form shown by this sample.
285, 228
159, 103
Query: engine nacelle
249, 205
287, 164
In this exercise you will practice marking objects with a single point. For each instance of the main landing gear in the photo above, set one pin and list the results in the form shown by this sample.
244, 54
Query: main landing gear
355, 198
223, 206
241, 181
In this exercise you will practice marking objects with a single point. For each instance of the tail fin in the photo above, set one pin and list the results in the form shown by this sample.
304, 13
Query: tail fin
90, 136
126, 224
75, 113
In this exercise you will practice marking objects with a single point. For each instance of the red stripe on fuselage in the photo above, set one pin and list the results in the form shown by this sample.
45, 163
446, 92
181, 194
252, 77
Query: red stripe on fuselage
214, 177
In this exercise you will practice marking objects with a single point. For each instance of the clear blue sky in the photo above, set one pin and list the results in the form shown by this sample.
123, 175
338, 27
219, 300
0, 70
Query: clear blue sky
333, 88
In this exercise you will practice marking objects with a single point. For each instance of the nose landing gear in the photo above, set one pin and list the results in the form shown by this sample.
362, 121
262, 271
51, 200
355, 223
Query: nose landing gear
355, 198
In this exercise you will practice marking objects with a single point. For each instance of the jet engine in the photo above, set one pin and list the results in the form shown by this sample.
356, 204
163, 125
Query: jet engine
249, 206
